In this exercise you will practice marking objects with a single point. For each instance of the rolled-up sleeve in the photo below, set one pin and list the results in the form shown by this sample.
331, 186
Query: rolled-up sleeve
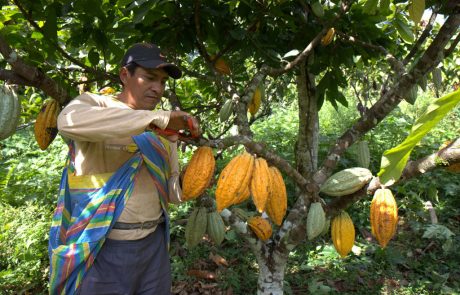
84, 119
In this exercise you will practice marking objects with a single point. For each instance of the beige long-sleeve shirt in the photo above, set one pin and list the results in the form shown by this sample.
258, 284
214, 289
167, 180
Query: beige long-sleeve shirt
101, 128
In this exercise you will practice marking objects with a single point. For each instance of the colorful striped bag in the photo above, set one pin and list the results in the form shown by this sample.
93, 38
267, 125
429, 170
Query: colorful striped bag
84, 216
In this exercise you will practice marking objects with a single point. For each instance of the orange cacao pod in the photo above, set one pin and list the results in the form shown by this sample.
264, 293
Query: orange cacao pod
343, 233
199, 173
260, 184
45, 128
384, 216
277, 202
221, 66
234, 180
261, 227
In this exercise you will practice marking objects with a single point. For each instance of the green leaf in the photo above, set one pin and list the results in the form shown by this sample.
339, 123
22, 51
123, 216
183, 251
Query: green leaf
394, 160
50, 27
93, 57
404, 31
416, 9
370, 7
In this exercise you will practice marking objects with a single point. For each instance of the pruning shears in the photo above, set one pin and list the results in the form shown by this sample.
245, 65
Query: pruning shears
191, 133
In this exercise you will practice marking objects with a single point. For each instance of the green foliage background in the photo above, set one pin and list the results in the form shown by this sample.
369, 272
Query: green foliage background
422, 259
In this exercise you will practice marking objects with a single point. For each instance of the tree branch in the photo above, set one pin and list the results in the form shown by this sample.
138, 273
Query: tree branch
389, 100
33, 75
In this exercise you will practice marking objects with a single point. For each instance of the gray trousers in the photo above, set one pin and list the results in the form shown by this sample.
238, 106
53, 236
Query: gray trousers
131, 267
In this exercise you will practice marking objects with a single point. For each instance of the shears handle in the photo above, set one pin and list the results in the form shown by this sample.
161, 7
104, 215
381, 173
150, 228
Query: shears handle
190, 134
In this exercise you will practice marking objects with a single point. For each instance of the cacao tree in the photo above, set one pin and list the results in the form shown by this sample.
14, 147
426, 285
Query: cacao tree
230, 50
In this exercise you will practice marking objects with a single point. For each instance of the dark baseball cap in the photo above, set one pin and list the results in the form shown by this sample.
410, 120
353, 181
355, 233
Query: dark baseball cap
148, 55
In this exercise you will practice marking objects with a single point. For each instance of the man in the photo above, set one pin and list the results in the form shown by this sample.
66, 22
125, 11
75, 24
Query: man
110, 230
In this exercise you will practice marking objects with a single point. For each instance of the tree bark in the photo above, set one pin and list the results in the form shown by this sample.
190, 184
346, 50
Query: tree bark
308, 135
271, 272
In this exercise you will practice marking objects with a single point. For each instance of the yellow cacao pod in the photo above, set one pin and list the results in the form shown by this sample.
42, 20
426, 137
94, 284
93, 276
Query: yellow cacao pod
215, 227
343, 233
243, 197
277, 202
234, 180
45, 128
327, 39
346, 182
221, 66
260, 184
261, 227
196, 226
384, 216
316, 220
255, 102
199, 173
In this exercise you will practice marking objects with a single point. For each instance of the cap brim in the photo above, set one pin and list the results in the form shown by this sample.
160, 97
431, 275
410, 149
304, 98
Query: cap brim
172, 70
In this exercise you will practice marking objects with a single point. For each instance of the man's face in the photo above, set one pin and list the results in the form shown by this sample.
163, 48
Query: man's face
144, 88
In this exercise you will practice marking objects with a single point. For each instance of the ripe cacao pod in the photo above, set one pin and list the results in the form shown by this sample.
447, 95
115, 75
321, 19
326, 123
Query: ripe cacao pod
45, 128
384, 216
199, 173
220, 65
260, 184
363, 154
277, 202
316, 220
346, 182
234, 180
261, 227
215, 227
255, 102
10, 110
343, 233
196, 226
327, 39
243, 197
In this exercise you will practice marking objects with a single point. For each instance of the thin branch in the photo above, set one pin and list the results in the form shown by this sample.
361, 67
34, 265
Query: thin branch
422, 38
453, 46
389, 100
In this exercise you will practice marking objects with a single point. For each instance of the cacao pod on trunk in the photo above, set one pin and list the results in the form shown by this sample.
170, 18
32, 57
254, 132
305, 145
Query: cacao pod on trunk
277, 202
261, 227
260, 184
10, 110
45, 128
316, 220
199, 173
346, 182
234, 180
196, 226
384, 216
215, 227
343, 233
255, 102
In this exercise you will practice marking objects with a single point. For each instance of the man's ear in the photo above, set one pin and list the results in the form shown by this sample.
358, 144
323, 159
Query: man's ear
124, 73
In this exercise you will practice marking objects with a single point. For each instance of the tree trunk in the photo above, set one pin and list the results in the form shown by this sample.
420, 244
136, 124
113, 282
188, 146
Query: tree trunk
308, 135
271, 272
